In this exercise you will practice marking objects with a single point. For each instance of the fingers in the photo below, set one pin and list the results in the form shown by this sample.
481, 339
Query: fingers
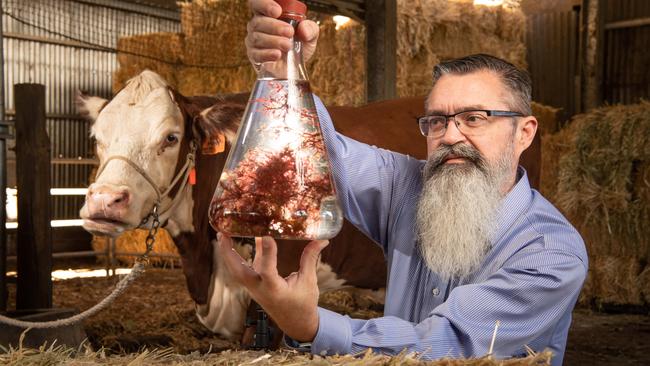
272, 26
266, 258
237, 266
309, 259
267, 38
307, 31
262, 47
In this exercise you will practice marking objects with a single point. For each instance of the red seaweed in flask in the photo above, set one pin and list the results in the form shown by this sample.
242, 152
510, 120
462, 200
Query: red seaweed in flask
277, 181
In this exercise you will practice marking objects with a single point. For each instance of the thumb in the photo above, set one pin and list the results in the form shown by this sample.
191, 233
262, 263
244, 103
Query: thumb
310, 257
307, 32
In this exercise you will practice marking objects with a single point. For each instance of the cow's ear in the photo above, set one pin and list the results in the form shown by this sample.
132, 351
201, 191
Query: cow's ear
89, 106
221, 118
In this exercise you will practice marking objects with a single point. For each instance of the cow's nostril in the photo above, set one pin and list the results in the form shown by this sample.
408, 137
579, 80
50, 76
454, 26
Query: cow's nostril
119, 199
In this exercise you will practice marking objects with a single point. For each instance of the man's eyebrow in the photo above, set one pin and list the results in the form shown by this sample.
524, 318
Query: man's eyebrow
439, 112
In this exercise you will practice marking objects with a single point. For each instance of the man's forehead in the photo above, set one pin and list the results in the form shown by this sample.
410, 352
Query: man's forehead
477, 90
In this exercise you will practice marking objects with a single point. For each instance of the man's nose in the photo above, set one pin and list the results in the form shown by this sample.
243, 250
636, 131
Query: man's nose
452, 133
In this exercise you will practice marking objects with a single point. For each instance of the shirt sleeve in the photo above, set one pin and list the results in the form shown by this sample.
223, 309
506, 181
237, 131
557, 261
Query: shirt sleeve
364, 178
528, 295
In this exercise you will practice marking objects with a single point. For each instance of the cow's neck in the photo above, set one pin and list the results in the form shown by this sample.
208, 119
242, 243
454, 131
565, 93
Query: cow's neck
190, 228
180, 217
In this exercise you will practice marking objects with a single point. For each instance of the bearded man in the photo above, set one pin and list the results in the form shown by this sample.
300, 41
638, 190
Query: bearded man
467, 241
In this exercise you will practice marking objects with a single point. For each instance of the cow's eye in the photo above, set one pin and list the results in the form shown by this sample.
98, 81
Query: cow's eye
171, 140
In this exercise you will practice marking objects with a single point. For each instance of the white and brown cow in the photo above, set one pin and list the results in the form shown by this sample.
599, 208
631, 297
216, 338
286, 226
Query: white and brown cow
144, 135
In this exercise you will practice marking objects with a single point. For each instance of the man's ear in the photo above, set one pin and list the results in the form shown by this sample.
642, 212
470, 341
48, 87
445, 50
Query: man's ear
527, 129
89, 106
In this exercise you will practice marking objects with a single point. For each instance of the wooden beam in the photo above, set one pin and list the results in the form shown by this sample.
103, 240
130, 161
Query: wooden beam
381, 55
34, 234
354, 9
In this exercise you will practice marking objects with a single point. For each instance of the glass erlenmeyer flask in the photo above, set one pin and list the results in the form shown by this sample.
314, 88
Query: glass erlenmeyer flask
276, 180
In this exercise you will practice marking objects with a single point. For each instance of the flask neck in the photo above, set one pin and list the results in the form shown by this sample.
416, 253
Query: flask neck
291, 65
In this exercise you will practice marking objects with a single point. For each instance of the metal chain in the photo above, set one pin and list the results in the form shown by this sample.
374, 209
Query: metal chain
151, 236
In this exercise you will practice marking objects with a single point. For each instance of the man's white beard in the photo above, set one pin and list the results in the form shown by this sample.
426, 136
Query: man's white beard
457, 209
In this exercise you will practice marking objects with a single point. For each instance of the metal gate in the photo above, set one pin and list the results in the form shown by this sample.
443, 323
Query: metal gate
70, 45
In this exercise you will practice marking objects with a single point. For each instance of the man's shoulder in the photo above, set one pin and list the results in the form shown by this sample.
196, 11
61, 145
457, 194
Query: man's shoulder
555, 230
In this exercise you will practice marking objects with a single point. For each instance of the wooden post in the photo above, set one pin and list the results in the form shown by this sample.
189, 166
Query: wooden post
593, 39
34, 234
381, 55
3, 179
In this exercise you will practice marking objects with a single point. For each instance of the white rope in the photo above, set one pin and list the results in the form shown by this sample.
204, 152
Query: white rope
136, 271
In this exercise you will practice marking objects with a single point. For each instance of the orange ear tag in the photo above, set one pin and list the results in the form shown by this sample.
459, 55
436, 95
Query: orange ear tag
192, 177
214, 144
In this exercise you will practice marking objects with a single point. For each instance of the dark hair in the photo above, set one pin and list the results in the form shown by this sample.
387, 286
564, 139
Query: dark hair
517, 81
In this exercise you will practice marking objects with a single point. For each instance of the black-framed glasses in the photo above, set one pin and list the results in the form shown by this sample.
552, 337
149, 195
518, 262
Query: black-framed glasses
469, 123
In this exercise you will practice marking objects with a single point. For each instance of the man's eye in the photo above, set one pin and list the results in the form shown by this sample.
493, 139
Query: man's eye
475, 118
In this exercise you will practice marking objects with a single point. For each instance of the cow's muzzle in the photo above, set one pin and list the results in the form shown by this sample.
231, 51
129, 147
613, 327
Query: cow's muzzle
106, 209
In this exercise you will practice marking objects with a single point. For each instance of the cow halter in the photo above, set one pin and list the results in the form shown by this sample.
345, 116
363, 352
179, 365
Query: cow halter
182, 176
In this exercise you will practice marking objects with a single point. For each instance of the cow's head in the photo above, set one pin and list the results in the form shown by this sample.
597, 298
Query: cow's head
150, 127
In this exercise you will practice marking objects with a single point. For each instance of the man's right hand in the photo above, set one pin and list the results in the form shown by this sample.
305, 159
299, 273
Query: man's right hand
268, 36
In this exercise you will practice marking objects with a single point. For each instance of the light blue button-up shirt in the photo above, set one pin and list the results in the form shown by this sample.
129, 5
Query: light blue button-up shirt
529, 280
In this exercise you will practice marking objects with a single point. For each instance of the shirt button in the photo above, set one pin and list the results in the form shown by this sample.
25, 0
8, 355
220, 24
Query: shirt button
435, 291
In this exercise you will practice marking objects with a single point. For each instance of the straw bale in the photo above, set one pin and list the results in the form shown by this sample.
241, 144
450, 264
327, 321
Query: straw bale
212, 55
644, 280
547, 118
603, 187
133, 241
613, 280
337, 70
430, 31
62, 355
159, 52
228, 16
215, 50
196, 80
554, 148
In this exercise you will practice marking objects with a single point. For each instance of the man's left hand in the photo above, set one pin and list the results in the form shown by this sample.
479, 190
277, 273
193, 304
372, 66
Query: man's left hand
292, 302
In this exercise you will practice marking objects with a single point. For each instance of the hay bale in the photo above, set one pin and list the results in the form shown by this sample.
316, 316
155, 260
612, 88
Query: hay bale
604, 189
205, 50
554, 148
199, 80
337, 70
547, 118
228, 16
159, 52
429, 31
614, 280
133, 241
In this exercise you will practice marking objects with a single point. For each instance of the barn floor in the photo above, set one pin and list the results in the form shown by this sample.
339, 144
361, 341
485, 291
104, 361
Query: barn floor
156, 312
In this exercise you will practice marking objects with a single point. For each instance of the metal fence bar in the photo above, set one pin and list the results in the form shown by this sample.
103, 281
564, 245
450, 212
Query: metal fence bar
632, 23
93, 253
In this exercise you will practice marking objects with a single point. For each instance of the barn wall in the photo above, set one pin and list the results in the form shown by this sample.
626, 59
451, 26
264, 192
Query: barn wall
69, 45
626, 75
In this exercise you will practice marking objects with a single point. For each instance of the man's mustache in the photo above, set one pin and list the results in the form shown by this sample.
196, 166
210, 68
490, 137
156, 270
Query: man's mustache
459, 150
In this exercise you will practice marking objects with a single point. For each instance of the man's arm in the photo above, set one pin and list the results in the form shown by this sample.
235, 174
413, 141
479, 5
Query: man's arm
528, 295
369, 181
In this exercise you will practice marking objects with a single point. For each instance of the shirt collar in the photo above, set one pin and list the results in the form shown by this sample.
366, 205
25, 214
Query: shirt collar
513, 205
